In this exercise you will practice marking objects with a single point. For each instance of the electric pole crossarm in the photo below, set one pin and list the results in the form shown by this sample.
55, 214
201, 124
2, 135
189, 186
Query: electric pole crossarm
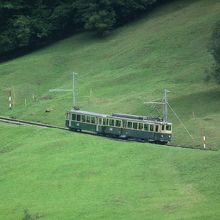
60, 90
68, 90
164, 103
159, 103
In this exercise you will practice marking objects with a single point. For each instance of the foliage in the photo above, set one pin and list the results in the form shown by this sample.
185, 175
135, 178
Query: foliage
215, 46
97, 16
28, 216
127, 10
26, 24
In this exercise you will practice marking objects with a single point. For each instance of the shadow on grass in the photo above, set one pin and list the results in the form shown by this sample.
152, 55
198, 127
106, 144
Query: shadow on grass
200, 103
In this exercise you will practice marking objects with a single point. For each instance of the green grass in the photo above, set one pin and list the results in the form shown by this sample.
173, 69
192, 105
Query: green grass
58, 175
166, 49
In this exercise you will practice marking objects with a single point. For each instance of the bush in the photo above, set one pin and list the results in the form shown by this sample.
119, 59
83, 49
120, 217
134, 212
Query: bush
215, 50
28, 216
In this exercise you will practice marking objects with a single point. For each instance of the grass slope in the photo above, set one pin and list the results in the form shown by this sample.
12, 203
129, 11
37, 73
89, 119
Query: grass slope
166, 49
63, 175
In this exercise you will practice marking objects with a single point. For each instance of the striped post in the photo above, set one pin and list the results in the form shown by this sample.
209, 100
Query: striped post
203, 138
204, 142
10, 100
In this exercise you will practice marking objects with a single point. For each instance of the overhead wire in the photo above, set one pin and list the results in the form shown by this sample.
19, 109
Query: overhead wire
180, 121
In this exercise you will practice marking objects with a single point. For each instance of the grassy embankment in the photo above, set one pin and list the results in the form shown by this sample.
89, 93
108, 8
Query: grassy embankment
62, 175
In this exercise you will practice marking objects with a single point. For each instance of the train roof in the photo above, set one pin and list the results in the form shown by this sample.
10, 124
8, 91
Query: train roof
121, 116
89, 113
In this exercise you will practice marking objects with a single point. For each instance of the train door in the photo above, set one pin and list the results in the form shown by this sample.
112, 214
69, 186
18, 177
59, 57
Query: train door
124, 123
123, 128
99, 125
69, 118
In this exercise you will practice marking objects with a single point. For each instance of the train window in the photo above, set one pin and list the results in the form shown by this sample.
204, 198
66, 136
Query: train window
151, 127
135, 125
93, 120
83, 118
129, 124
88, 118
140, 126
104, 121
118, 123
111, 122
124, 122
73, 117
156, 128
162, 127
78, 117
168, 127
100, 121
146, 127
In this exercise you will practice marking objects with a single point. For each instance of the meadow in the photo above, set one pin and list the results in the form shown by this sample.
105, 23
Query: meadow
63, 175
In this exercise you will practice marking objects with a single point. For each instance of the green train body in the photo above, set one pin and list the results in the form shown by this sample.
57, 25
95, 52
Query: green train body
125, 126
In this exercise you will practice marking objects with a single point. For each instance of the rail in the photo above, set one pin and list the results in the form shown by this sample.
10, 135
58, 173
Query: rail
29, 123
42, 125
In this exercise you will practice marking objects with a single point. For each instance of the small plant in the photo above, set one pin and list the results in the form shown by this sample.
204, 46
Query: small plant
209, 73
215, 50
28, 216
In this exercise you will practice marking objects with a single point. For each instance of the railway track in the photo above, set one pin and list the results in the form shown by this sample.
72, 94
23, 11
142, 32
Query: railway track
28, 123
14, 121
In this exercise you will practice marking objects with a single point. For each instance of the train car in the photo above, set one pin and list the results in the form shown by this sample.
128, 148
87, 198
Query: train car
141, 128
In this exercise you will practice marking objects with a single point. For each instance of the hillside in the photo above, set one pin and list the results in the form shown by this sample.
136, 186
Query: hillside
53, 174
166, 49
63, 175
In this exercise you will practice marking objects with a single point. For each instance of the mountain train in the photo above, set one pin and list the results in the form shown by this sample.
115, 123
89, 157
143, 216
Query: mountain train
126, 126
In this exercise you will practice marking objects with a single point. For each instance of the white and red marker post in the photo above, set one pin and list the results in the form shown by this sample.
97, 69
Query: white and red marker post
10, 100
204, 142
203, 138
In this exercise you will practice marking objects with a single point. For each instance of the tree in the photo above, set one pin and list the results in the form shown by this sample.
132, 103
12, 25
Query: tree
126, 10
96, 15
26, 24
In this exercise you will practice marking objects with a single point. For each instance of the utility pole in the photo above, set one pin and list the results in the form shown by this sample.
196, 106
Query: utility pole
164, 103
69, 90
73, 90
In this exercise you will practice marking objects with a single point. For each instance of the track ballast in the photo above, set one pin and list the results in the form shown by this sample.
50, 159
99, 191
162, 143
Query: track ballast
14, 121
29, 123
